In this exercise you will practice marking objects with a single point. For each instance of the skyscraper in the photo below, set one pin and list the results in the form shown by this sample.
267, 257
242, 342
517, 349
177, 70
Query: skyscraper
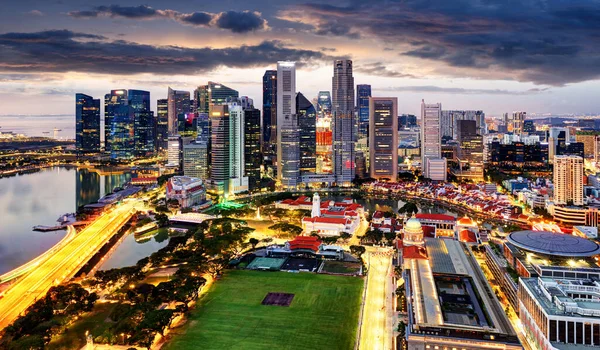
118, 125
324, 104
220, 164
178, 103
518, 119
252, 152
269, 123
144, 123
383, 138
195, 160
449, 120
212, 93
344, 126
307, 124
470, 152
431, 138
363, 92
238, 182
568, 180
288, 136
162, 124
87, 124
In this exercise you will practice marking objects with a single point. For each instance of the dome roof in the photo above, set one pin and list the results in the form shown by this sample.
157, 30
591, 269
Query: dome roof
413, 225
465, 221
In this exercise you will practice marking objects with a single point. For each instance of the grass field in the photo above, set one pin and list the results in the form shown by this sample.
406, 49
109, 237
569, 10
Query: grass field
323, 314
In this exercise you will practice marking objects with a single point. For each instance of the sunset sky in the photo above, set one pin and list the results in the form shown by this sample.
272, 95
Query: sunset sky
537, 56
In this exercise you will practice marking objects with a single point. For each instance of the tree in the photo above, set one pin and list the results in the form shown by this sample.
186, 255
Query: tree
345, 236
253, 242
162, 220
409, 208
357, 250
390, 236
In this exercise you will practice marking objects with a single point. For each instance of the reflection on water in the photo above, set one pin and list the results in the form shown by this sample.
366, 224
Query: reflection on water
39, 199
130, 251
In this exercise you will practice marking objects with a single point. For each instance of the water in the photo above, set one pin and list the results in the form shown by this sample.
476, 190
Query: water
39, 125
129, 252
39, 199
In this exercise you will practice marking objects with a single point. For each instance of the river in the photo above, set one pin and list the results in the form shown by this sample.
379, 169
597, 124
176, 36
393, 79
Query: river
40, 198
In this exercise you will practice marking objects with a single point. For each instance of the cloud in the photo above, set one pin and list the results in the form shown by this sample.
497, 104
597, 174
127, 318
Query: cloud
36, 13
67, 51
235, 21
379, 69
545, 42
460, 91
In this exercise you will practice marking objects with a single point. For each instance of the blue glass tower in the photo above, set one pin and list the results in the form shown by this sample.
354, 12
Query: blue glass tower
363, 92
144, 123
87, 124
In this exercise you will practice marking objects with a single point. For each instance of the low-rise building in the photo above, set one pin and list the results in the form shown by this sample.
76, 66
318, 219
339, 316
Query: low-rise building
188, 191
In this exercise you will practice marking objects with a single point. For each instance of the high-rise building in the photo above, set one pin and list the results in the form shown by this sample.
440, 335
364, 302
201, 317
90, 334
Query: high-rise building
212, 94
269, 123
568, 180
431, 138
238, 182
383, 138
528, 127
344, 126
87, 124
252, 152
162, 124
324, 104
288, 135
220, 163
449, 122
144, 123
518, 118
195, 160
307, 123
174, 148
589, 140
470, 150
178, 103
363, 92
119, 125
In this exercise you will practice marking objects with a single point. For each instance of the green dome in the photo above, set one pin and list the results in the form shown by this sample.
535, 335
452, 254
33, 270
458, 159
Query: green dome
413, 225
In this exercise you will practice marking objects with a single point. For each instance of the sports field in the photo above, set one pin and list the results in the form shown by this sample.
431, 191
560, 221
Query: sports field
323, 314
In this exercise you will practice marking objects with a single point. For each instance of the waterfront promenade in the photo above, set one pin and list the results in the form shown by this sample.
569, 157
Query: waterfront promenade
63, 263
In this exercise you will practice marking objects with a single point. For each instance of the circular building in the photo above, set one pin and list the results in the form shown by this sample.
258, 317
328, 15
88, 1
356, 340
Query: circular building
556, 244
413, 232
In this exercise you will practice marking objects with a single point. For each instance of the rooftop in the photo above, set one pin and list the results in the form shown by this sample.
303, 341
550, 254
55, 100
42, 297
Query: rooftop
550, 243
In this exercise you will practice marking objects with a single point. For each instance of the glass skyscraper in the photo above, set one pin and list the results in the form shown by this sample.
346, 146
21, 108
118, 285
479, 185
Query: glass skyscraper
307, 123
178, 104
363, 92
212, 94
87, 124
344, 126
269, 124
144, 123
118, 125
162, 124
252, 153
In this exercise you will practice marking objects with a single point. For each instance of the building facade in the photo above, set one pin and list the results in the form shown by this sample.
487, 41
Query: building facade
269, 122
252, 150
188, 191
568, 180
383, 138
118, 125
178, 103
288, 134
196, 160
431, 137
238, 182
307, 125
220, 162
144, 124
87, 124
162, 124
344, 126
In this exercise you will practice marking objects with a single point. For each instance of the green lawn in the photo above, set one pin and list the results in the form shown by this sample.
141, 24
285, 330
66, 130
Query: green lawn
323, 314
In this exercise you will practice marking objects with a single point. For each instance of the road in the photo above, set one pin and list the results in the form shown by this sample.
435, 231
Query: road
376, 326
63, 263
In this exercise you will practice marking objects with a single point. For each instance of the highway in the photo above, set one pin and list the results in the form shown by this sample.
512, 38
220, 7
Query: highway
63, 264
376, 326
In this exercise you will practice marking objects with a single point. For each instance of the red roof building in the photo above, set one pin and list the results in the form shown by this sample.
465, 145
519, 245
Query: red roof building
467, 236
414, 252
305, 243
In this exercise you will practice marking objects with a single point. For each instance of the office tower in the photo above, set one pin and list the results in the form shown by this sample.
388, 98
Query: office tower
178, 103
361, 165
363, 92
324, 104
246, 102
528, 127
406, 121
431, 138
238, 182
470, 150
87, 124
589, 140
344, 127
203, 127
252, 152
449, 121
383, 138
517, 121
211, 94
174, 151
195, 160
307, 123
144, 123
119, 125
162, 124
288, 135
219, 155
269, 123
568, 180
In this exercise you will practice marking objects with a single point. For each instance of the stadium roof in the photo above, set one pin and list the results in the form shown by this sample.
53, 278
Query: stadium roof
550, 243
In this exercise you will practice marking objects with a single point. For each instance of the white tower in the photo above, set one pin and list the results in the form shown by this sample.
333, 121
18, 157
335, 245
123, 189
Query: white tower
316, 206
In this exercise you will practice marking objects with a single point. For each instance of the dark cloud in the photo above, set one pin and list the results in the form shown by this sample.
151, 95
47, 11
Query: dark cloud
459, 91
236, 21
546, 42
380, 69
63, 51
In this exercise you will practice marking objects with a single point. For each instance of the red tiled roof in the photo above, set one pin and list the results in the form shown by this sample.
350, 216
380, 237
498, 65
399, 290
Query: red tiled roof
467, 236
323, 220
144, 179
465, 221
428, 231
414, 252
440, 217
305, 242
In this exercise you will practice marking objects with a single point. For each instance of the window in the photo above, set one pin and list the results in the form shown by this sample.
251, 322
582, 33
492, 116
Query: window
552, 335
588, 334
571, 332
596, 332
579, 332
562, 331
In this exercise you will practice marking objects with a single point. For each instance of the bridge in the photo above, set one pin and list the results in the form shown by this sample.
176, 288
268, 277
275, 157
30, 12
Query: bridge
63, 263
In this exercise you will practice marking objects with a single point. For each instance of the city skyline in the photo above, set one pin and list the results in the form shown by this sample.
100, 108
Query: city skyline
481, 63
